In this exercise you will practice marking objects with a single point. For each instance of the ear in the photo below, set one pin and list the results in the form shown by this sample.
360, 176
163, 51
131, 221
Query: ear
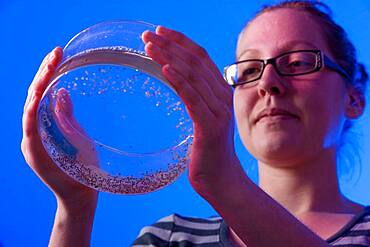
355, 104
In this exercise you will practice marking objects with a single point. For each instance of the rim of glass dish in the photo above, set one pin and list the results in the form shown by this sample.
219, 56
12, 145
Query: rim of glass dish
108, 22
65, 60
144, 23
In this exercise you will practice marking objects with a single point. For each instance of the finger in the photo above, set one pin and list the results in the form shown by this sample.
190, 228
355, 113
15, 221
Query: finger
64, 102
30, 112
35, 93
165, 44
42, 82
40, 70
190, 45
191, 68
193, 79
64, 107
197, 109
52, 58
198, 64
61, 114
72, 130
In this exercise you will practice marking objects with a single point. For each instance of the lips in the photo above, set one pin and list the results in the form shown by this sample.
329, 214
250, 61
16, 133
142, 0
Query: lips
275, 112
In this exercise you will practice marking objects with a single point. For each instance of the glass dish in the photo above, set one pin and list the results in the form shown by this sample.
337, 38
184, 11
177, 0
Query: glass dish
109, 118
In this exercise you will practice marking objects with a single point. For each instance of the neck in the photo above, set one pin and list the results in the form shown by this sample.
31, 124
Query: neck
305, 187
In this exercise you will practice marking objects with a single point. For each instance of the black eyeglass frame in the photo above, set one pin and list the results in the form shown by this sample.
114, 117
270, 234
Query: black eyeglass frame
320, 58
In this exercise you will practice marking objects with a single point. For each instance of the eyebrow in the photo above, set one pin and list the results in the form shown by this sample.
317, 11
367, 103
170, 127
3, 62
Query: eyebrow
286, 47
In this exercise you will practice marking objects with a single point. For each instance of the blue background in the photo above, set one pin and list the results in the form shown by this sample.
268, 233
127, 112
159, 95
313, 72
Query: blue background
30, 29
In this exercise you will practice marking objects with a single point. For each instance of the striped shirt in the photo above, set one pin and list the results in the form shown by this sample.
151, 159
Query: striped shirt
179, 231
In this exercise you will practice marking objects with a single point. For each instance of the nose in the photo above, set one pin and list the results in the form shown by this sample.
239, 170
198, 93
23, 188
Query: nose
270, 82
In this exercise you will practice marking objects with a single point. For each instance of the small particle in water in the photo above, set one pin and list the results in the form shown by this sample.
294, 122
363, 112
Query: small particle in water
75, 84
76, 78
147, 94
157, 104
103, 71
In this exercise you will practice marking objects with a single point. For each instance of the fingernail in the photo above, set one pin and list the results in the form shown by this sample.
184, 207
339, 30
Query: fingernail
58, 50
150, 34
162, 30
143, 34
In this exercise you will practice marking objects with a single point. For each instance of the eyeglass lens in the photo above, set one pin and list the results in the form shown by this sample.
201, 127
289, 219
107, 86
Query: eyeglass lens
287, 64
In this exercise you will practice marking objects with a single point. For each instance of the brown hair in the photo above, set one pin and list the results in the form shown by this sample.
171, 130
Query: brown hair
341, 47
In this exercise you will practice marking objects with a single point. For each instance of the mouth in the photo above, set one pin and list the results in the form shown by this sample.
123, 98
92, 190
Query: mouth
275, 114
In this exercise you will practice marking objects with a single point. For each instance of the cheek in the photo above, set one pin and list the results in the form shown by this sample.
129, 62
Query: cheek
323, 111
244, 103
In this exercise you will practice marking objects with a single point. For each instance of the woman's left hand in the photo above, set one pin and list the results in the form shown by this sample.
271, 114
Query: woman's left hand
209, 102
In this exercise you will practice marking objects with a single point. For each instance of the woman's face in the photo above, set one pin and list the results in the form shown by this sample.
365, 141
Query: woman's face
288, 120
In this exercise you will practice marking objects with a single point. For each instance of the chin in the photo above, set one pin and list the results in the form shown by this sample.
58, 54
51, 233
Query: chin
277, 150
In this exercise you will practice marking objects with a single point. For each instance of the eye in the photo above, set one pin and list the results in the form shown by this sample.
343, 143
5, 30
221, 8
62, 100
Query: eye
248, 71
298, 64
295, 64
251, 71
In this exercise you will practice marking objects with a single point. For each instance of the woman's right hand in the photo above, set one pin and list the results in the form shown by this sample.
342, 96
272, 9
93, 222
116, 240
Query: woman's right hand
74, 196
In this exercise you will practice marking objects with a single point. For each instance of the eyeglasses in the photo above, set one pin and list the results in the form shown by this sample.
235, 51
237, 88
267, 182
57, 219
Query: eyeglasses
293, 63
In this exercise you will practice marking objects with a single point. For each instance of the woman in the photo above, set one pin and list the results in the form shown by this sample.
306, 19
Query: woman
296, 93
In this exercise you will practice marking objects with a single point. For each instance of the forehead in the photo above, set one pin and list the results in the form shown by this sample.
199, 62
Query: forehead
279, 31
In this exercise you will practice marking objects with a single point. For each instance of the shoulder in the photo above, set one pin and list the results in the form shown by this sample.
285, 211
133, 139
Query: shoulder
176, 228
357, 232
